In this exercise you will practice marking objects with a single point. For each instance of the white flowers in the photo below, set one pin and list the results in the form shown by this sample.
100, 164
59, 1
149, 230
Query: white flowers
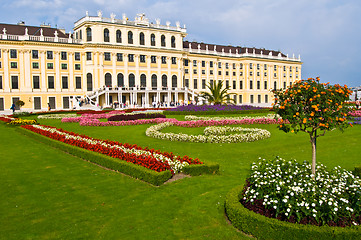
212, 134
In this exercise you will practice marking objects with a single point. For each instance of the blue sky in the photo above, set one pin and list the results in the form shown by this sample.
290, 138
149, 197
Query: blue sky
326, 33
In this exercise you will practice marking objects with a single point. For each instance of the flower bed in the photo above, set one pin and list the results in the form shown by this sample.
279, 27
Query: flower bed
208, 108
149, 158
135, 116
19, 121
357, 120
6, 119
356, 113
57, 116
211, 134
286, 190
194, 118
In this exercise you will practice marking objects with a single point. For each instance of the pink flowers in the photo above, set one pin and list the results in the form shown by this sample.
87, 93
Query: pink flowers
356, 113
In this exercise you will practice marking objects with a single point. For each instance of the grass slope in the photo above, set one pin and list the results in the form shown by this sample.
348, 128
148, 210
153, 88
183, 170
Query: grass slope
47, 194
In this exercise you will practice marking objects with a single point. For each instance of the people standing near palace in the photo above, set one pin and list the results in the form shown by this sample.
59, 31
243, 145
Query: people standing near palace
13, 107
49, 107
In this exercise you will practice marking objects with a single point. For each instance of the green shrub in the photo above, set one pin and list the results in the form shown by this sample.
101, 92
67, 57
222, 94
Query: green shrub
268, 228
133, 170
358, 171
199, 169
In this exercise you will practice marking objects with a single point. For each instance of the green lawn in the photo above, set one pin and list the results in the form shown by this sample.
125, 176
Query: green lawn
48, 194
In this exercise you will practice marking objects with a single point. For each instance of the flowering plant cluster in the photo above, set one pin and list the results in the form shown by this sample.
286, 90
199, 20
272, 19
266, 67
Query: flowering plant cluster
6, 119
57, 116
287, 190
357, 120
206, 108
135, 116
356, 113
149, 158
193, 118
19, 121
211, 134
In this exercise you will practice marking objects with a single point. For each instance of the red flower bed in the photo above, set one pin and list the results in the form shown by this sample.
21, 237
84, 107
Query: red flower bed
5, 119
113, 149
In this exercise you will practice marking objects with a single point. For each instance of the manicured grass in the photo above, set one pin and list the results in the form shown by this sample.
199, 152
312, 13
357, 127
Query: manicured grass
48, 194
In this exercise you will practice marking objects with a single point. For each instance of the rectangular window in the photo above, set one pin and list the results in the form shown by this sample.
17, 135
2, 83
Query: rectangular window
203, 71
219, 72
37, 103
211, 72
50, 82
78, 82
52, 102
195, 83
107, 56
251, 73
240, 99
265, 67
194, 71
275, 74
240, 84
64, 66
259, 98
64, 82
250, 84
36, 82
266, 98
35, 54
234, 84
284, 85
186, 62
50, 66
211, 64
35, 65
296, 69
290, 68
227, 73
265, 84
77, 56
275, 68
258, 85
164, 60
257, 66
64, 55
14, 82
1, 82
241, 66
13, 53
186, 83
241, 74
258, 74
227, 66
203, 84
284, 68
203, 63
186, 71
234, 74
88, 56
251, 99
49, 54
234, 66
219, 65
142, 58
66, 104
77, 66
250, 66
120, 57
227, 83
174, 60
211, 82
194, 63
265, 74
130, 57
153, 59
14, 65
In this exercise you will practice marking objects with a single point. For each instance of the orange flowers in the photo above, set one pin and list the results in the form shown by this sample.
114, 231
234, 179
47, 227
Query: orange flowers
304, 120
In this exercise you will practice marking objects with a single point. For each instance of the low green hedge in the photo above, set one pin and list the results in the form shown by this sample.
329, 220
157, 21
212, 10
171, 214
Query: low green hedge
358, 171
199, 169
136, 171
269, 228
215, 112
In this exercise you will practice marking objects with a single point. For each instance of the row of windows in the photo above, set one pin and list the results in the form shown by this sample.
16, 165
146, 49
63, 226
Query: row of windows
142, 58
49, 54
234, 65
118, 37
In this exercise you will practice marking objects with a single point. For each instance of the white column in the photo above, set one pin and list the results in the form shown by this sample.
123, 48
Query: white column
100, 78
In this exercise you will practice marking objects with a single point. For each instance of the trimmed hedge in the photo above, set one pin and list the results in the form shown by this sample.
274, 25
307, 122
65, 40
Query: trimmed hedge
199, 169
215, 112
135, 116
269, 228
133, 170
358, 171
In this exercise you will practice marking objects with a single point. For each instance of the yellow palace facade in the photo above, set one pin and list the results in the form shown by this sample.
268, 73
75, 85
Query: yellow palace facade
137, 63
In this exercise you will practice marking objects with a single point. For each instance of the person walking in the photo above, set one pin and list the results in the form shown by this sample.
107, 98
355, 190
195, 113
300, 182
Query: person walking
13, 107
49, 107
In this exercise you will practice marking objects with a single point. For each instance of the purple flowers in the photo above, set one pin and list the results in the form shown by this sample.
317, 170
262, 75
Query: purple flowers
217, 108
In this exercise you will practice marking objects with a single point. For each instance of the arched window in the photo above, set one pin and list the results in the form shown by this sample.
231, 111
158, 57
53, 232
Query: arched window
174, 81
106, 35
141, 39
152, 39
164, 81
172, 40
162, 41
89, 82
143, 81
118, 36
154, 81
120, 79
88, 34
130, 37
131, 80
108, 80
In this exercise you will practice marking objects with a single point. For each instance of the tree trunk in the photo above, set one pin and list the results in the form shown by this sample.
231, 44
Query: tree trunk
313, 143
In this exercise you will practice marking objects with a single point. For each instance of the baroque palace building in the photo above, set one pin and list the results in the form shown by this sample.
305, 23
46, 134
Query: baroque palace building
107, 60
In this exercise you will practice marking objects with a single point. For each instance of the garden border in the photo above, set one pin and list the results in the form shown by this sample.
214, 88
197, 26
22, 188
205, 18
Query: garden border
130, 169
269, 228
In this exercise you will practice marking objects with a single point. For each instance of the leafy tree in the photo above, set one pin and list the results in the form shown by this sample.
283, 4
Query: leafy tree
20, 103
217, 93
312, 107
